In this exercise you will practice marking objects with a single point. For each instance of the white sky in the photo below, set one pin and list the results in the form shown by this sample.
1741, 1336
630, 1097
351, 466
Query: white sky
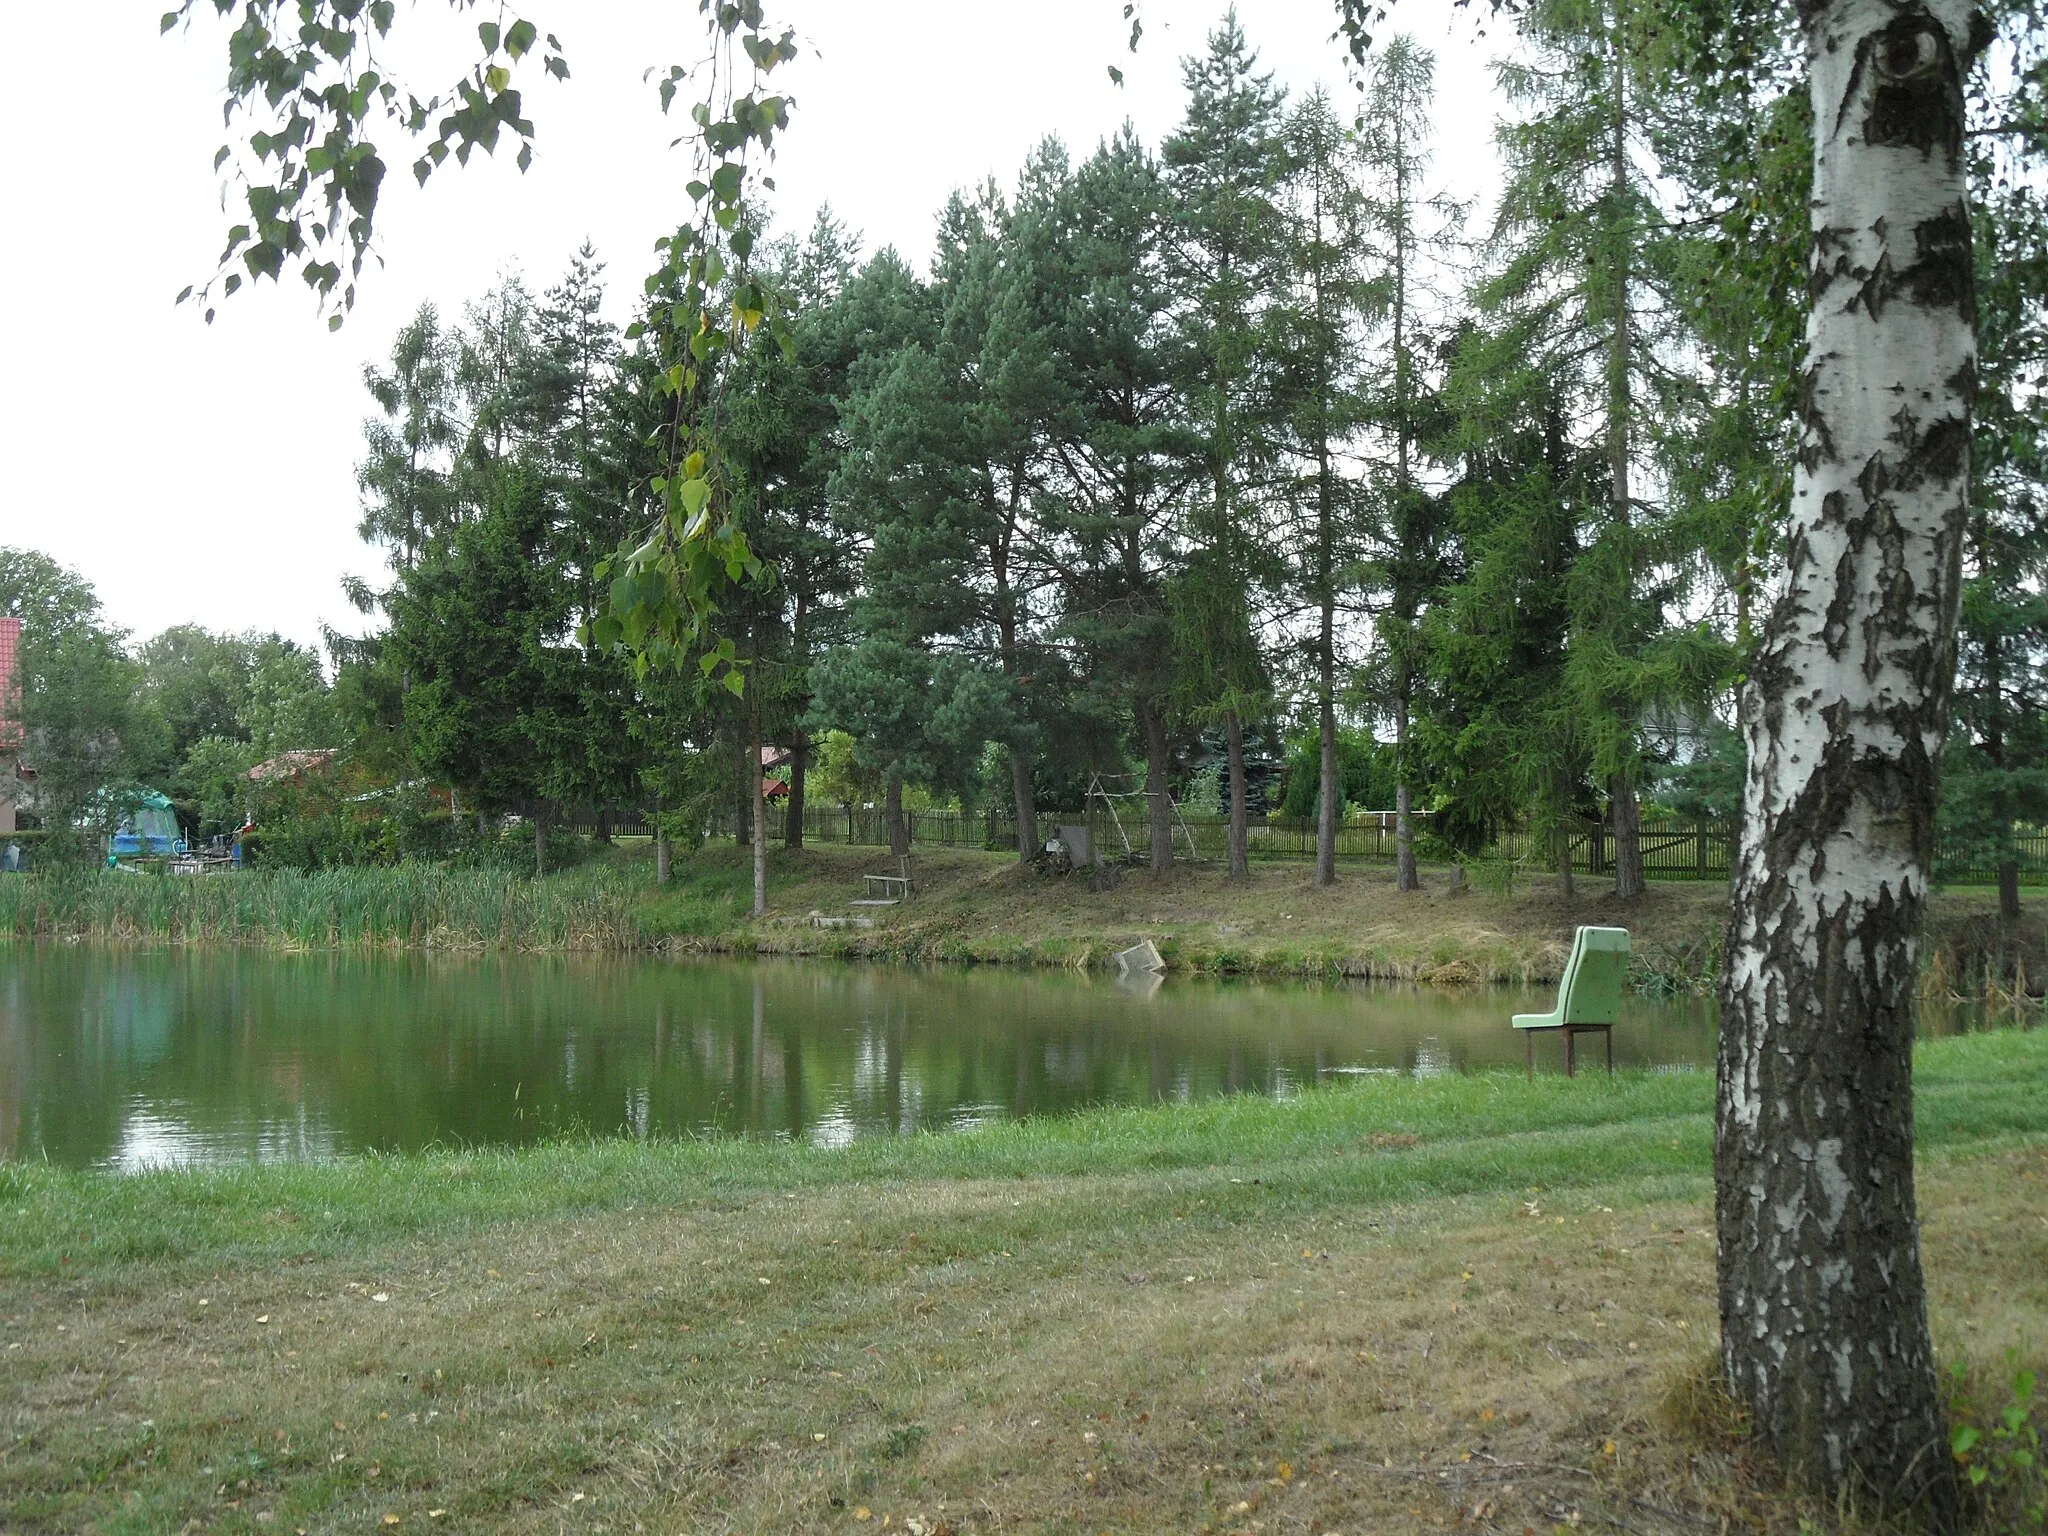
208, 474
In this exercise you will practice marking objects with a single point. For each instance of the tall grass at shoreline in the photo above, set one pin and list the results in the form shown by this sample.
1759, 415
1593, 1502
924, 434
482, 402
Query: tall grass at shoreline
605, 907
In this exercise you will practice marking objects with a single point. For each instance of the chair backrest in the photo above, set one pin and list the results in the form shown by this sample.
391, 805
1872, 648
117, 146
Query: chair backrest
1594, 976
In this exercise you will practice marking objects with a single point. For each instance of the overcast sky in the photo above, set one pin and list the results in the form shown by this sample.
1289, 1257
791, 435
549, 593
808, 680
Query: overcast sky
207, 474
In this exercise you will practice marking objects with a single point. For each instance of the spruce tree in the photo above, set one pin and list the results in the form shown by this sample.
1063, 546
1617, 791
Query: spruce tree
1579, 293
1227, 252
1416, 231
1126, 457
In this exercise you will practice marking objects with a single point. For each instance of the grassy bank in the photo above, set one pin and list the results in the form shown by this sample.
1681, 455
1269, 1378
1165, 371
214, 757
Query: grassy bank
970, 907
1388, 1306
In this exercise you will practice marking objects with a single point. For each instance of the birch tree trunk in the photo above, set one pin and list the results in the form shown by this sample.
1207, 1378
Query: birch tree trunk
1824, 1334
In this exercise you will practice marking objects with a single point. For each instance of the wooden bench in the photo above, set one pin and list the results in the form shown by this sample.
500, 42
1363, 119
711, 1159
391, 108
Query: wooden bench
887, 890
1588, 996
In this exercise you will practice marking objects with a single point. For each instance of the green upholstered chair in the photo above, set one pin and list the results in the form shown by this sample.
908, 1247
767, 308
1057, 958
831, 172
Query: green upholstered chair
1588, 995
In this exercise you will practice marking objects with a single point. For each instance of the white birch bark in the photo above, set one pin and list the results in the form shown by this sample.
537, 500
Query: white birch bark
1823, 1304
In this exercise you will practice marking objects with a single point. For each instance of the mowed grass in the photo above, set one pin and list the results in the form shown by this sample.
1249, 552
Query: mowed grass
1392, 1305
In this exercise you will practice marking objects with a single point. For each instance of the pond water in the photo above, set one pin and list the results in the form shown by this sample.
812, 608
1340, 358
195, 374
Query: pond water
130, 1059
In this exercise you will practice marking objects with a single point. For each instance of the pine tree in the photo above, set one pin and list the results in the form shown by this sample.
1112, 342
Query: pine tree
1580, 294
1126, 457
1224, 172
405, 473
1417, 231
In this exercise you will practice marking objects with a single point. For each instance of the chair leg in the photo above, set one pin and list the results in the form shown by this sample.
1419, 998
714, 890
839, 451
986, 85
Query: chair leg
1609, 1032
1529, 1040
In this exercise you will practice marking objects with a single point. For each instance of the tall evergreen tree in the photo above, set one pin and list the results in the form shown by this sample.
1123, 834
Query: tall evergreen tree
1415, 230
1225, 168
1580, 295
1125, 455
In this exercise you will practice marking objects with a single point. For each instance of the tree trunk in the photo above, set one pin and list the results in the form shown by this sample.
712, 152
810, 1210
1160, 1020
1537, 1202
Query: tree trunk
540, 841
1566, 885
892, 814
760, 840
2009, 890
1405, 877
1027, 807
793, 807
1240, 809
664, 857
1824, 1335
1330, 792
1159, 809
743, 792
1628, 836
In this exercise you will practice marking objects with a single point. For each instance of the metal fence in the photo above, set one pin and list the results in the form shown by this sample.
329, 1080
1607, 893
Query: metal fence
1699, 849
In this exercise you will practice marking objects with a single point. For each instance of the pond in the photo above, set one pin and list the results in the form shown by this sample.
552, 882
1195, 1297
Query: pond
134, 1058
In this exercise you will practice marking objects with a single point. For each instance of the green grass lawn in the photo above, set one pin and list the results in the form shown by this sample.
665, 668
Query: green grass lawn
1389, 1305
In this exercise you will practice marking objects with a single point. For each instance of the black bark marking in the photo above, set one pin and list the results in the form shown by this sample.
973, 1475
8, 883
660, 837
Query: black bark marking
1816, 441
1916, 99
1835, 628
1943, 274
1937, 453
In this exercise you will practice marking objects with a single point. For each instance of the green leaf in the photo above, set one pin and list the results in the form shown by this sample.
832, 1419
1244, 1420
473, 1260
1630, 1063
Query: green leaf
736, 684
519, 39
694, 494
488, 32
1965, 1439
170, 20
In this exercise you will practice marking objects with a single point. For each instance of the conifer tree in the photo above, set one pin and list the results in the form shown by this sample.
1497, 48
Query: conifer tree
1226, 255
1125, 456
1578, 294
405, 473
1415, 231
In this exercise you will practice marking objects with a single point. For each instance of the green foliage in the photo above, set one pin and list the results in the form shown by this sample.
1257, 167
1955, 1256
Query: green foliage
1369, 768
213, 781
77, 703
2000, 1454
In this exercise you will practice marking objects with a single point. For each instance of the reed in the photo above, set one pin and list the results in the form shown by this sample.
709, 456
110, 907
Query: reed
409, 906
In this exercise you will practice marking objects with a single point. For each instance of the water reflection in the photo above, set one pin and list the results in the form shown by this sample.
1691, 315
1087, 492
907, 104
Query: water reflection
133, 1059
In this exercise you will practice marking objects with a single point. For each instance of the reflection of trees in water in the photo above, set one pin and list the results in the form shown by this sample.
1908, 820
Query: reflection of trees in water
263, 1055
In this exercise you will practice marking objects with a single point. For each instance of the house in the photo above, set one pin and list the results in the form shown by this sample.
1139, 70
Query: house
772, 758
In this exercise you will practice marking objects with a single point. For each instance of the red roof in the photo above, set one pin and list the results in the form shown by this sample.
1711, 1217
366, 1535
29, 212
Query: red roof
10, 699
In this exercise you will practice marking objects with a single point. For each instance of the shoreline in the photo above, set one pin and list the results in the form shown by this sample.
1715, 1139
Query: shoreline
970, 908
